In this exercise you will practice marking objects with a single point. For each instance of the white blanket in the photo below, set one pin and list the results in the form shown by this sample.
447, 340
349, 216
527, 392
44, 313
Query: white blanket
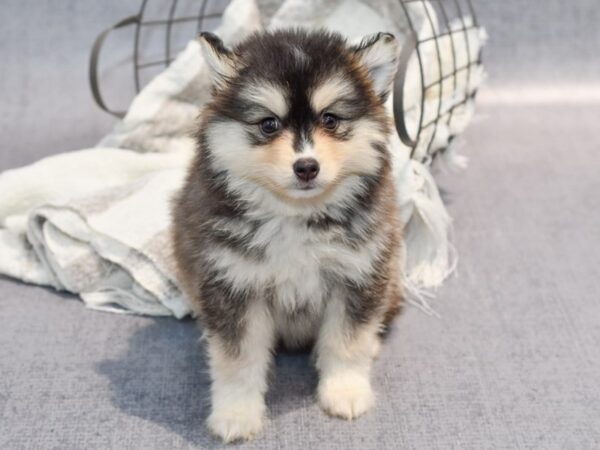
96, 222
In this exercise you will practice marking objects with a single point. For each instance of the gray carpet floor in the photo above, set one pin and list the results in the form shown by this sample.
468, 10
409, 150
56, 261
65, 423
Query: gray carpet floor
513, 361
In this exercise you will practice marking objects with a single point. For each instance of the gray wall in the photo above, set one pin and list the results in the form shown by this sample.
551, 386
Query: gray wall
46, 105
541, 40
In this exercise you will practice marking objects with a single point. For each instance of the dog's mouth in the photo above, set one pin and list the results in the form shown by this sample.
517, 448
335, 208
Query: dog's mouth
305, 189
306, 185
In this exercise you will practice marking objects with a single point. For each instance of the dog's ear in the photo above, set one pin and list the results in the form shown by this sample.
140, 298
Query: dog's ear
379, 54
220, 60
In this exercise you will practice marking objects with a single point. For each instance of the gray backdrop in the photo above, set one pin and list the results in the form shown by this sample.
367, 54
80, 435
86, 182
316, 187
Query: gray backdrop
514, 360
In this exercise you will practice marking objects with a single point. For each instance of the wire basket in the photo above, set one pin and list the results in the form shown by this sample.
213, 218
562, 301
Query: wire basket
431, 26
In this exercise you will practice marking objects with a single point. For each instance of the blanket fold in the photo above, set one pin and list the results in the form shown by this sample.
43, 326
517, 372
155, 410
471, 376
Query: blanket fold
96, 222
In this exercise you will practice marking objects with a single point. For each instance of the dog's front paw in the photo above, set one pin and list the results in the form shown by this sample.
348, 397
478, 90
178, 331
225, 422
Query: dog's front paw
236, 422
346, 395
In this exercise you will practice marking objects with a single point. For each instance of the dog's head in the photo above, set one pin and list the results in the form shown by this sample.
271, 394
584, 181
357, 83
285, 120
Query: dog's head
297, 112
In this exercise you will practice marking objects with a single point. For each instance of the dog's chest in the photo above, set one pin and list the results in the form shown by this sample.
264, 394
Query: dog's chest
295, 266
294, 260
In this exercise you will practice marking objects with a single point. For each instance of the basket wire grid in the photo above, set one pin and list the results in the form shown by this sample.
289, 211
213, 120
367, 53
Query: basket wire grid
201, 15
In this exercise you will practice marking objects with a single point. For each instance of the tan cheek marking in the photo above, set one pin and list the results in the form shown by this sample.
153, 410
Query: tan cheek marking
329, 152
273, 162
280, 152
341, 158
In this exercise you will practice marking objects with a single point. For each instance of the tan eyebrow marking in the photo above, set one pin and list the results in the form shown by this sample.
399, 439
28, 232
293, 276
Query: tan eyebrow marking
328, 92
269, 96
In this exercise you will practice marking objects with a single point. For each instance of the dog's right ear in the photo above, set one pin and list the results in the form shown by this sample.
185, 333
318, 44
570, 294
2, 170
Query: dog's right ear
219, 58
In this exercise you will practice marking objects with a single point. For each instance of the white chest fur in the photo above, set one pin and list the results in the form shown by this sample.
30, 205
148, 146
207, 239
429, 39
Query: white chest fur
293, 262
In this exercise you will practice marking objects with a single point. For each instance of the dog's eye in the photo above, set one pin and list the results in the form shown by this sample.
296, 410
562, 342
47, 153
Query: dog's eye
270, 125
329, 121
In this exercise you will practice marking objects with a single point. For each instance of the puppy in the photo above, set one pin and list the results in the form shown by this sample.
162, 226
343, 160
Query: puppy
286, 230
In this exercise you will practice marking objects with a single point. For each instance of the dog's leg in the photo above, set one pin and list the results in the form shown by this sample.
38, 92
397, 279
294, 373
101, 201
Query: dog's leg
240, 377
345, 352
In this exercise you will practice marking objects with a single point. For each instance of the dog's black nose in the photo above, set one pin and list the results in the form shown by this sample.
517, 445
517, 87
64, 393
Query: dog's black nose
306, 169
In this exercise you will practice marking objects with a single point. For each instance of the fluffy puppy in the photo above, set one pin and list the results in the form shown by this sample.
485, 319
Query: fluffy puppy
286, 230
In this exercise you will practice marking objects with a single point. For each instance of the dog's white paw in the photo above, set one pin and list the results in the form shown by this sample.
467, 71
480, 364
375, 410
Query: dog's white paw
346, 395
237, 422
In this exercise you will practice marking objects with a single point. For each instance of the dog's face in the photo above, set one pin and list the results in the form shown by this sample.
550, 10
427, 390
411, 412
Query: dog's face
298, 112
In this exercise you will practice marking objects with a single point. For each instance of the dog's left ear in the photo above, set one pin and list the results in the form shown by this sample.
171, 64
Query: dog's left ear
220, 59
379, 54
